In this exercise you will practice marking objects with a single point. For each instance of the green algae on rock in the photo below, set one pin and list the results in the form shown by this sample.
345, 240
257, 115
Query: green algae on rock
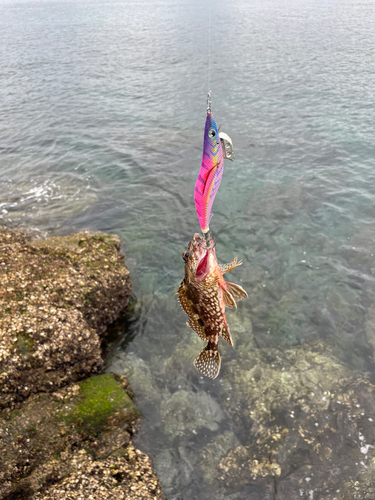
56, 296
79, 435
103, 399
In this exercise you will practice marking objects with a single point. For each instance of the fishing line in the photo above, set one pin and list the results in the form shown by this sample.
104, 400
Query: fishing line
209, 46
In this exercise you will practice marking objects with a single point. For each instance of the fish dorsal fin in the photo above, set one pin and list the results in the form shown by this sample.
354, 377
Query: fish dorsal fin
199, 329
236, 291
183, 299
225, 268
208, 363
226, 334
228, 299
188, 306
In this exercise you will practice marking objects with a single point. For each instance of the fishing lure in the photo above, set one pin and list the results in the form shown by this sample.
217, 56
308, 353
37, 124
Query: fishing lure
203, 293
216, 147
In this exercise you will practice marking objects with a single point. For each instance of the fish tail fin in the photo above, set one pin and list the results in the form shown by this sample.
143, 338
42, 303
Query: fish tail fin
208, 362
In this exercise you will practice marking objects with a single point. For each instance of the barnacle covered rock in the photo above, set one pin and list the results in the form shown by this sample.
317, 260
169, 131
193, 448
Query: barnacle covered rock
56, 295
75, 442
62, 436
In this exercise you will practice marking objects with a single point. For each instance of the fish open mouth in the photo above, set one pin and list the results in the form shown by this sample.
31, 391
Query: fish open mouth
202, 267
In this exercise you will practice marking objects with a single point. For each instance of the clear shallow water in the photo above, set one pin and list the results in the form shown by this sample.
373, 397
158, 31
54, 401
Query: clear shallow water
101, 121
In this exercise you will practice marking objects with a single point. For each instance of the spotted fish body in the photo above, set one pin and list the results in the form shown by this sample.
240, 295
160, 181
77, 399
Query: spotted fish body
203, 295
210, 174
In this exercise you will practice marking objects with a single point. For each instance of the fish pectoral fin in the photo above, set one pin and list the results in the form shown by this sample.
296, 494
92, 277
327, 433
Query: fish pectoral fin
199, 329
184, 300
226, 334
225, 268
228, 299
208, 363
207, 284
237, 292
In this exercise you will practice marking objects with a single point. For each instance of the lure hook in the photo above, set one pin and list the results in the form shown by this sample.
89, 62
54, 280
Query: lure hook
207, 240
209, 102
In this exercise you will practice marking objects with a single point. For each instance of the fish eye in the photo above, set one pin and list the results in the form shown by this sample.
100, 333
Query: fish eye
211, 133
185, 256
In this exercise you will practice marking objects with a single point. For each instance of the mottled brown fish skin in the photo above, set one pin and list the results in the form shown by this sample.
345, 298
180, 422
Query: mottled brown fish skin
203, 295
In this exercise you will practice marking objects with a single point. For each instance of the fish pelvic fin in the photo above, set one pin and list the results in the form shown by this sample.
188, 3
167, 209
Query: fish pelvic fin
228, 298
226, 334
208, 363
198, 328
236, 291
225, 268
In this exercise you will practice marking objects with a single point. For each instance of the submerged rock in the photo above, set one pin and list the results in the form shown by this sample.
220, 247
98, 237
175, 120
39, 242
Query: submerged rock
370, 327
306, 422
213, 452
185, 411
360, 249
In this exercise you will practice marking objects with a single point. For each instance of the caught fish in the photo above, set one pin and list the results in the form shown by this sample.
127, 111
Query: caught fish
204, 294
211, 170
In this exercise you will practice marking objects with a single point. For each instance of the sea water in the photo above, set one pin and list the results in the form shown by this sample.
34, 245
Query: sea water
102, 112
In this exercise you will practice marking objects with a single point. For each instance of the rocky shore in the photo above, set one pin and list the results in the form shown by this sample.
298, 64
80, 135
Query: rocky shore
65, 429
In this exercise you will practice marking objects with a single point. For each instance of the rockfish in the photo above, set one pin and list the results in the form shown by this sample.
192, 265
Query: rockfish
203, 294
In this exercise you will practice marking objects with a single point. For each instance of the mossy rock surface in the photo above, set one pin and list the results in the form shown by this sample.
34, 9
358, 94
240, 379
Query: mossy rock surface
94, 418
56, 296
103, 399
